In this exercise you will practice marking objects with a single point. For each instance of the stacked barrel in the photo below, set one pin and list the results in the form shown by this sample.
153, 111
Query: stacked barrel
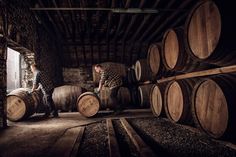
206, 41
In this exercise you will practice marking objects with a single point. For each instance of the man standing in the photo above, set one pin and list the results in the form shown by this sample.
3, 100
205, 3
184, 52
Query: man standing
43, 82
109, 79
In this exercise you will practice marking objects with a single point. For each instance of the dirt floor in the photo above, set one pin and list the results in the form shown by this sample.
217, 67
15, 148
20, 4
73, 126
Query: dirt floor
37, 136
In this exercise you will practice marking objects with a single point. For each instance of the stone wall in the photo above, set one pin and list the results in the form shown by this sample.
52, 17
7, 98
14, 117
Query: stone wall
79, 76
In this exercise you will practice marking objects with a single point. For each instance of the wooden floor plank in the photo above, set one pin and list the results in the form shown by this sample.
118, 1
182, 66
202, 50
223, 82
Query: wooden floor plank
77, 143
65, 145
112, 142
143, 149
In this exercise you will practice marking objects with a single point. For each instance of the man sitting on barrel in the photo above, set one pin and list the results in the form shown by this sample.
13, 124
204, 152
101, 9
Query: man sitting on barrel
112, 80
43, 82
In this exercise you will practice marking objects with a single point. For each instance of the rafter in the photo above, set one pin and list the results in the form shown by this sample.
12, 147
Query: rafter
155, 22
146, 18
173, 16
141, 4
133, 19
122, 18
62, 19
82, 35
58, 33
74, 31
108, 29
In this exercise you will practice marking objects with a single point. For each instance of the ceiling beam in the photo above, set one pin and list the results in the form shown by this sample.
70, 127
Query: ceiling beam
171, 18
113, 10
108, 29
121, 21
146, 18
155, 22
144, 22
81, 3
74, 31
131, 23
58, 33
62, 19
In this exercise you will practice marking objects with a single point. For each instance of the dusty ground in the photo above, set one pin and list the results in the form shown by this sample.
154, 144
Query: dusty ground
36, 136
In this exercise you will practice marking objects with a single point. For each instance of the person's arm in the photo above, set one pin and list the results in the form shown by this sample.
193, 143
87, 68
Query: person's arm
102, 80
35, 82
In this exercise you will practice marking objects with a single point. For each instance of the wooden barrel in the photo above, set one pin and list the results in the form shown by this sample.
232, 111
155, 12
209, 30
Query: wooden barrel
214, 107
157, 99
210, 32
104, 96
174, 55
116, 67
21, 104
144, 95
154, 58
88, 104
142, 70
65, 97
177, 101
124, 96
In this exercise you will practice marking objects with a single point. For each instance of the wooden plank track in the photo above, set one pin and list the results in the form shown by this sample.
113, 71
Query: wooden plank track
143, 149
68, 144
222, 70
112, 142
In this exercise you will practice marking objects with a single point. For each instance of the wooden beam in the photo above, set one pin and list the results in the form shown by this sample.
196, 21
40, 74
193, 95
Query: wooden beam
123, 52
108, 29
82, 34
74, 31
216, 71
58, 33
172, 25
133, 19
61, 16
143, 149
155, 22
171, 18
74, 151
64, 146
141, 4
146, 18
114, 150
122, 18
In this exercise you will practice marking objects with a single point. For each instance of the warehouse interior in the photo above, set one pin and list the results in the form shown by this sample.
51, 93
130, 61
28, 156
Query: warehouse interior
177, 61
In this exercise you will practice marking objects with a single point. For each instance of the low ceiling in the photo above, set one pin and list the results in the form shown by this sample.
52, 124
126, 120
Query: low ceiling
104, 30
